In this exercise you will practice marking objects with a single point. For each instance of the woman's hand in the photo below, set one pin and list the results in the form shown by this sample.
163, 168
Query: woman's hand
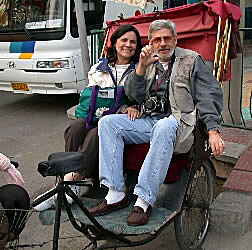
216, 142
132, 112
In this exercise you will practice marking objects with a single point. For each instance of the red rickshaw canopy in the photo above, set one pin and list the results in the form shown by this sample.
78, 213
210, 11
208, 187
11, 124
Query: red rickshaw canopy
196, 24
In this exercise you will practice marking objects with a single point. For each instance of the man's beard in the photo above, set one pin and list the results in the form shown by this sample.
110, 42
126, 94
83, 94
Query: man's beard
167, 57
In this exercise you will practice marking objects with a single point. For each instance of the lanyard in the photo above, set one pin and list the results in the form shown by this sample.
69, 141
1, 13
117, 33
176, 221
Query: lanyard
131, 66
158, 83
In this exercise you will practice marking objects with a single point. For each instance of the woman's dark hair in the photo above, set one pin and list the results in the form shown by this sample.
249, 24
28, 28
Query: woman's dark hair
120, 31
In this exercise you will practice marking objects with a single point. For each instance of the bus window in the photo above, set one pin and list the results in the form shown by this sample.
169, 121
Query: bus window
94, 16
45, 14
32, 19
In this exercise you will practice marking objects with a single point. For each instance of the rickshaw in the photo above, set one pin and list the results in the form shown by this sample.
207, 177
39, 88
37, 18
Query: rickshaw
185, 199
188, 190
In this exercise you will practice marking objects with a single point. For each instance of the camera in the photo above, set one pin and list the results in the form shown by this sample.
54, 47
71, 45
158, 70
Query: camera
153, 104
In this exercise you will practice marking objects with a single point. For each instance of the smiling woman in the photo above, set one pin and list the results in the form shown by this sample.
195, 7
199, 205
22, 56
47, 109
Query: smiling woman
126, 47
125, 37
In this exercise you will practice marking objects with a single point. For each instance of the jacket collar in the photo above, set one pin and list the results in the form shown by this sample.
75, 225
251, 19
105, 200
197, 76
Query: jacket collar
103, 66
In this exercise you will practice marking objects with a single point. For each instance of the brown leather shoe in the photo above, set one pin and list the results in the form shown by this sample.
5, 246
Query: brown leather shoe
138, 217
102, 207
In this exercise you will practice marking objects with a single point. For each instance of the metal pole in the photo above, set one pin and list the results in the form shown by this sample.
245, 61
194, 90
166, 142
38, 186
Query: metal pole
232, 91
83, 38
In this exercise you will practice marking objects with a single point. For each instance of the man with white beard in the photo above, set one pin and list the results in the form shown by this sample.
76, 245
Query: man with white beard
169, 85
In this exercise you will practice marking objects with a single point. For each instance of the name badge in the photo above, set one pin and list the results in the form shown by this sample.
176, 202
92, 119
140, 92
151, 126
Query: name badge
106, 93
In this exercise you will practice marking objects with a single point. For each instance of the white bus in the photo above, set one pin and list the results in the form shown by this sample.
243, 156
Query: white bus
39, 45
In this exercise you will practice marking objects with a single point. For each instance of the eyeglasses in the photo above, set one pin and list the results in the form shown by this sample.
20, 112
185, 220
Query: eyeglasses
166, 39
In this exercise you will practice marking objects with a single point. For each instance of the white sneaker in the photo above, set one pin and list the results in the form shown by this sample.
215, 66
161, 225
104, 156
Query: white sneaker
76, 190
51, 201
47, 203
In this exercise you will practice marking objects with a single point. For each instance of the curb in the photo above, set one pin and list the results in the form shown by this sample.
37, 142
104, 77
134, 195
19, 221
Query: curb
231, 213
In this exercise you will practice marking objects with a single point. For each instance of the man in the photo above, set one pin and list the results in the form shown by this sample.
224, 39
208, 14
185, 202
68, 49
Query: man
169, 84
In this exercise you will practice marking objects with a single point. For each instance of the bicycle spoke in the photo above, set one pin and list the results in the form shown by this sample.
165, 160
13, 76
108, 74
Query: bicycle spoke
191, 227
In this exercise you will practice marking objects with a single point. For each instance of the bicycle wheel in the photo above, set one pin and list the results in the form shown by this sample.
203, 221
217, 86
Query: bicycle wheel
192, 224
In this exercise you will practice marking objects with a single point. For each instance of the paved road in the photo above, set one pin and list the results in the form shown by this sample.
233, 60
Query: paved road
31, 128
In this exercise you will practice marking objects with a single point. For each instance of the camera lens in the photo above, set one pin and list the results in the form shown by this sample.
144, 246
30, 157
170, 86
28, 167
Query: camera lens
149, 104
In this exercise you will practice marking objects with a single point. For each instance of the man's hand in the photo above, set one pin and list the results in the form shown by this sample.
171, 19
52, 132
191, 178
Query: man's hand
132, 112
145, 59
216, 142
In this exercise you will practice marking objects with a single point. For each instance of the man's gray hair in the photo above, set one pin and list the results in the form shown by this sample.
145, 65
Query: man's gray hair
162, 24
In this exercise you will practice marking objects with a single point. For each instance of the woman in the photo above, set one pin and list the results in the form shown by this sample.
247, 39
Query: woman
122, 56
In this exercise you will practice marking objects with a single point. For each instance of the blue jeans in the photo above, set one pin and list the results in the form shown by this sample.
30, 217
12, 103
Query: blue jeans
115, 130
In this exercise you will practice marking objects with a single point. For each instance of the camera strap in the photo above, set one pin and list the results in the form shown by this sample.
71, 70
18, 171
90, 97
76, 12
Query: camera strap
158, 83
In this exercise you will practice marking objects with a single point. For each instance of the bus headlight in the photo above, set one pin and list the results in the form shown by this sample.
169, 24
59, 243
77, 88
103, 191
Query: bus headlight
53, 64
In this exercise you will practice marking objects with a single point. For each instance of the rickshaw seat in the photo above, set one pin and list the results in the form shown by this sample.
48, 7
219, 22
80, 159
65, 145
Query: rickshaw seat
134, 155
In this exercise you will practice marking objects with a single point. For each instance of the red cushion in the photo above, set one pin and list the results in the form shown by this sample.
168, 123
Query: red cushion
134, 155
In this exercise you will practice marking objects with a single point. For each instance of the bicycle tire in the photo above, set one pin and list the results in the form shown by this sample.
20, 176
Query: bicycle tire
192, 224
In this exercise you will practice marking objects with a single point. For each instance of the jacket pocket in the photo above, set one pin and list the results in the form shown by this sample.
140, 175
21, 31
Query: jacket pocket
184, 139
183, 94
